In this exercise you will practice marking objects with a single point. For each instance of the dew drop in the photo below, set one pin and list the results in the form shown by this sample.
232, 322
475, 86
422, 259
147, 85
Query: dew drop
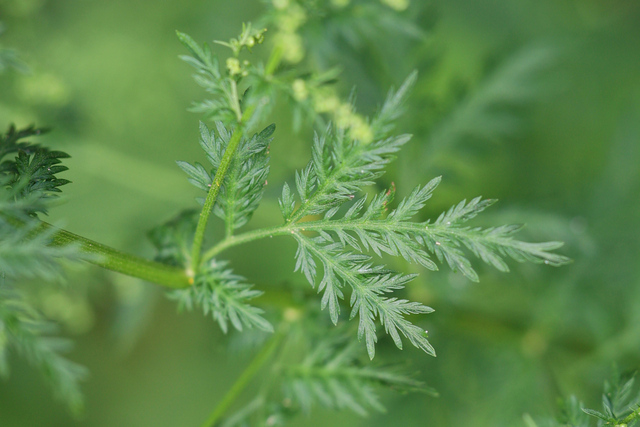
448, 222
546, 261
438, 243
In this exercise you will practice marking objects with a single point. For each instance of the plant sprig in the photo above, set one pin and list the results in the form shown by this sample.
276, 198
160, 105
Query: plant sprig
341, 167
339, 233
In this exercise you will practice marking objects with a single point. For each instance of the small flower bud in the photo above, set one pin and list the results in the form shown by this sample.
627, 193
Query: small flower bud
359, 129
233, 66
324, 103
398, 5
280, 4
259, 37
292, 47
300, 91
340, 3
343, 116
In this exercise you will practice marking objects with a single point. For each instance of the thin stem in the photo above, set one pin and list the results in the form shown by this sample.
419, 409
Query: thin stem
305, 226
246, 238
211, 198
115, 260
256, 364
230, 190
235, 101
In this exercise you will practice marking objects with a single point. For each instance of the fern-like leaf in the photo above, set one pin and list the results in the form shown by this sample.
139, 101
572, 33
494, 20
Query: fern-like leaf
25, 331
446, 238
218, 291
244, 183
333, 376
369, 286
32, 172
340, 167
208, 76
25, 251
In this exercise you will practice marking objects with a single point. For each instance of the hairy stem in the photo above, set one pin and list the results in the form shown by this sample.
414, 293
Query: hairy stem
115, 260
254, 367
211, 198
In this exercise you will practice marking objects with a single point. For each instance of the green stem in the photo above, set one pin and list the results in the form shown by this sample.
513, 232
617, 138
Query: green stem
246, 238
115, 260
256, 364
235, 101
211, 198
291, 227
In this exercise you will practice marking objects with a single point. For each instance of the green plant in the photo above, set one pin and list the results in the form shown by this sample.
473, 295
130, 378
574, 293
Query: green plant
620, 405
339, 236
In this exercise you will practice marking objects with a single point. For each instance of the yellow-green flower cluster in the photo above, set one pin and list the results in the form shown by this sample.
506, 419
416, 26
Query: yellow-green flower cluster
289, 18
300, 90
398, 5
339, 4
325, 101
248, 39
345, 117
235, 68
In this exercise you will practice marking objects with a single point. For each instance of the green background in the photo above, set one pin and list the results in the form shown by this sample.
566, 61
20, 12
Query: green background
534, 103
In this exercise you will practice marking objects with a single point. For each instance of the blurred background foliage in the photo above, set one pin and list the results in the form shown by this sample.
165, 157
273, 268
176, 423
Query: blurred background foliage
534, 103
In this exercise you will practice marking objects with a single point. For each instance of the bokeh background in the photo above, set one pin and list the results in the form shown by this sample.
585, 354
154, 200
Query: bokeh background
534, 103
